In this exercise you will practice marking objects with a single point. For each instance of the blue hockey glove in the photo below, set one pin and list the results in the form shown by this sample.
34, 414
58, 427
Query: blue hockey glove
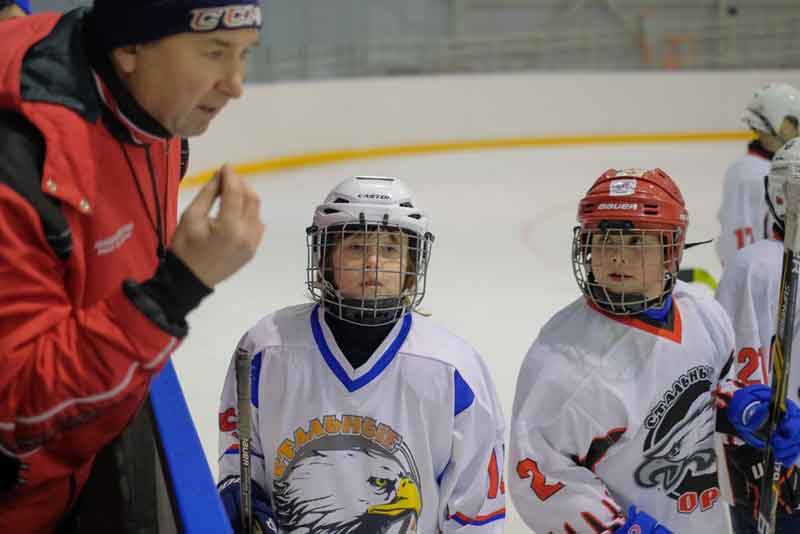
786, 441
262, 513
748, 411
641, 523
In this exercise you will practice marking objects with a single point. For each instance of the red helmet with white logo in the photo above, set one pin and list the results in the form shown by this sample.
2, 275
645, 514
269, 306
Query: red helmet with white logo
647, 198
627, 201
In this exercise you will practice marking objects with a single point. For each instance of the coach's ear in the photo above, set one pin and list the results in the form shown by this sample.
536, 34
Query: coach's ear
125, 59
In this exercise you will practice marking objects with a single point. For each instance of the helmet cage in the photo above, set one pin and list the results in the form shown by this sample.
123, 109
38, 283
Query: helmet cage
614, 234
780, 172
399, 252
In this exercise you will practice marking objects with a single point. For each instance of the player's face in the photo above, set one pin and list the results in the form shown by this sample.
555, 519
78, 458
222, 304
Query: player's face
370, 265
628, 262
184, 80
788, 130
11, 12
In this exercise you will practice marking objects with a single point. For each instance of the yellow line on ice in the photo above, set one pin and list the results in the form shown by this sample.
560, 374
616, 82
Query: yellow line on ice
332, 156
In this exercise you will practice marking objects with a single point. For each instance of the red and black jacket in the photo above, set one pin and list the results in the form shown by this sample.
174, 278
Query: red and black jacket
89, 312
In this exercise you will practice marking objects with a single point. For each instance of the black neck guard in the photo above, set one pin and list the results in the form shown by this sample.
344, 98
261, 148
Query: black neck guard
365, 312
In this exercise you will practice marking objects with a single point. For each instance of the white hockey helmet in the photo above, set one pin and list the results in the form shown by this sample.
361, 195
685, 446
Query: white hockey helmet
785, 164
770, 105
365, 205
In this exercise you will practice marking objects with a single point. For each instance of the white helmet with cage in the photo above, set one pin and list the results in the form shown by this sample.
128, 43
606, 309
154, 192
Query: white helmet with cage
785, 164
770, 105
380, 213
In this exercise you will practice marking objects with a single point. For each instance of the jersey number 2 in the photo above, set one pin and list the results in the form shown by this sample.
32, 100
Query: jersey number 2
754, 371
539, 485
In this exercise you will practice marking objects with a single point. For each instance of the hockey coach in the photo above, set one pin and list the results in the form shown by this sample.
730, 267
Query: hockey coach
97, 274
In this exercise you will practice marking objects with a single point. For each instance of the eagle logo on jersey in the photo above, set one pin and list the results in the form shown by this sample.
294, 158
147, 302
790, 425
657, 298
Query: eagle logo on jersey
383, 493
678, 449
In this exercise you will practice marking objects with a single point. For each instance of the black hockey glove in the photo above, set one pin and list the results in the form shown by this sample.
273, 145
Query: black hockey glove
746, 470
263, 517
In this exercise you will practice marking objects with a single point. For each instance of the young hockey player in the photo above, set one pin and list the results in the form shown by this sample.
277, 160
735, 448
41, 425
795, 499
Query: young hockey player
614, 415
772, 114
749, 292
366, 417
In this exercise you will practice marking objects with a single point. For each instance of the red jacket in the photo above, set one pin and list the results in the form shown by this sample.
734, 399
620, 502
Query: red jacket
76, 354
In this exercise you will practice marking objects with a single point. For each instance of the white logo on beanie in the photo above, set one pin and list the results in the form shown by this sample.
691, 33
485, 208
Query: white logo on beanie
229, 17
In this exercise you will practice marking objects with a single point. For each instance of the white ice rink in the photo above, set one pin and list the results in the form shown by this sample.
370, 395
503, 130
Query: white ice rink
500, 267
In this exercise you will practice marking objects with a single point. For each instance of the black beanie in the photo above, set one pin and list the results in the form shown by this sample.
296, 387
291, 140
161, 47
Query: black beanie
124, 22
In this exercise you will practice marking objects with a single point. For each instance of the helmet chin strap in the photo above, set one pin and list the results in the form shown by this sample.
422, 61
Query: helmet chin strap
620, 303
366, 312
778, 221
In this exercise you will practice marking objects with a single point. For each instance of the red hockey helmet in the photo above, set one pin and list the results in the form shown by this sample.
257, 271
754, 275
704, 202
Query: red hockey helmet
628, 201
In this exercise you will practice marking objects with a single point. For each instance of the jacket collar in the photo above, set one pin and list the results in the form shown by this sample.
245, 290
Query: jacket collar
66, 68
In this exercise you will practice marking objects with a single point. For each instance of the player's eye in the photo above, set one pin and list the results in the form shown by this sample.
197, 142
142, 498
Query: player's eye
215, 54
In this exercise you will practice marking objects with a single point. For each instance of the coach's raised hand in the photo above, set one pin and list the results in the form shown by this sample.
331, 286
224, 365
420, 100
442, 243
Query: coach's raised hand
215, 247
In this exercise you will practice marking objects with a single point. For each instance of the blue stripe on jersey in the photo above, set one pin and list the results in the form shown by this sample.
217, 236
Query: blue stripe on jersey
337, 368
439, 478
462, 519
464, 396
255, 374
234, 449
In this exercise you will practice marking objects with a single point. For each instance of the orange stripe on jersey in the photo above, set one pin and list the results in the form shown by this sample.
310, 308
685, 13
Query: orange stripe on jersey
478, 519
597, 526
613, 508
676, 334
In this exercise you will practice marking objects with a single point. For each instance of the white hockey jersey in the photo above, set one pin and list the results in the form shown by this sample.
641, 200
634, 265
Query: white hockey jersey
749, 292
411, 441
743, 216
612, 411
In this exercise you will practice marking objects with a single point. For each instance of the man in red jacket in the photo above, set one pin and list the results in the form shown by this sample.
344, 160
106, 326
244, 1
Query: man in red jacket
96, 273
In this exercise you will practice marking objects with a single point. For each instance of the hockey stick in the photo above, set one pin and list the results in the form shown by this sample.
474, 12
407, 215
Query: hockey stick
243, 428
696, 274
699, 276
781, 356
